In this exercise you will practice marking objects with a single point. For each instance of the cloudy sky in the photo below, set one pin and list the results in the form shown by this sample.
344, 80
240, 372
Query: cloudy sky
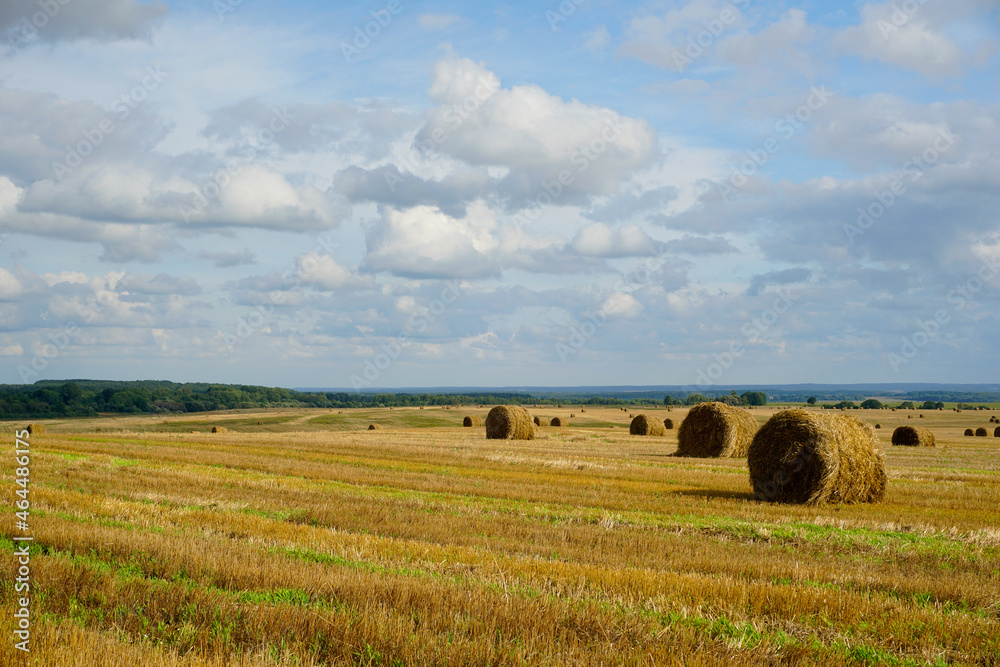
525, 193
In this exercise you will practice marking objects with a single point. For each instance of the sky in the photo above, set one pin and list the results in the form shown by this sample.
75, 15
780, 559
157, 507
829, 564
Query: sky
407, 193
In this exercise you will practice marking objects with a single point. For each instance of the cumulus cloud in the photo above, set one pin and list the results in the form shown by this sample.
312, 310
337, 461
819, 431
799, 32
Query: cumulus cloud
424, 242
907, 40
323, 272
10, 286
536, 136
662, 39
622, 305
599, 240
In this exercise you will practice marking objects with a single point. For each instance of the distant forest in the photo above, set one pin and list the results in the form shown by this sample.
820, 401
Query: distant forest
88, 398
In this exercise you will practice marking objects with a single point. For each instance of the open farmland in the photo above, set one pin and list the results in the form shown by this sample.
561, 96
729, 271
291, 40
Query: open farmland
299, 537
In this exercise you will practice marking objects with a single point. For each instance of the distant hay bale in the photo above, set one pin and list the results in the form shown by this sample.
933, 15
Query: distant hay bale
645, 425
555, 421
260, 423
668, 424
572, 414
472, 420
374, 427
583, 410
909, 416
509, 422
921, 415
537, 420
981, 432
716, 430
878, 426
220, 429
807, 457
996, 432
35, 429
969, 432
913, 436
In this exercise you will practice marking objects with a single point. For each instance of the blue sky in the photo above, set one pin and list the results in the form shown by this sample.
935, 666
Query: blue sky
432, 193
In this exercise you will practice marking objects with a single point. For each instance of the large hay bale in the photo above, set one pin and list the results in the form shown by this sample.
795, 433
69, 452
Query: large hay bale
716, 430
668, 424
509, 422
982, 432
645, 425
35, 429
913, 436
472, 420
969, 432
813, 457
374, 427
555, 421
220, 429
537, 420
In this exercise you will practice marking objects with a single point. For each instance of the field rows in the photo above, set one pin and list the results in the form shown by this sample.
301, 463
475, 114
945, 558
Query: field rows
435, 546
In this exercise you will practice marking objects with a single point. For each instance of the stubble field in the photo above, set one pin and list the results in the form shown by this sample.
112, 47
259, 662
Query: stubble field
298, 538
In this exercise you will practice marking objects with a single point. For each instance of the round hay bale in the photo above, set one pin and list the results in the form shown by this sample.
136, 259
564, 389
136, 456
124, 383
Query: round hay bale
716, 430
878, 426
909, 416
220, 429
996, 432
574, 414
969, 432
913, 436
981, 432
537, 420
668, 424
582, 410
921, 416
509, 422
35, 429
555, 421
644, 425
374, 427
813, 457
472, 420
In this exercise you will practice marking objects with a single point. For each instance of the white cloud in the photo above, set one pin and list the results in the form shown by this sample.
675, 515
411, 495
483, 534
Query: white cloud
10, 195
423, 242
891, 36
10, 286
323, 272
599, 240
533, 134
777, 41
622, 305
662, 40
